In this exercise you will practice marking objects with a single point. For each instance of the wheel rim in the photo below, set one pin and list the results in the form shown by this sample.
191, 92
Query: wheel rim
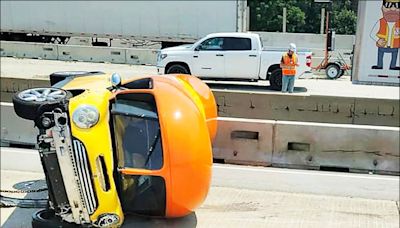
332, 72
46, 214
42, 94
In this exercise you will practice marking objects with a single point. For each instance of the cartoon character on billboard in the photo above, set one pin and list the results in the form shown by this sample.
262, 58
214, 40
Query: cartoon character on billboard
386, 33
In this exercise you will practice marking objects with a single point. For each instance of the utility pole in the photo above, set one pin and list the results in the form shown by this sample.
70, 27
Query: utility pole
322, 20
284, 20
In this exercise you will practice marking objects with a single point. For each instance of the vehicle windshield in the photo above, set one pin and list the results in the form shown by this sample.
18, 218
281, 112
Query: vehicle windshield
137, 135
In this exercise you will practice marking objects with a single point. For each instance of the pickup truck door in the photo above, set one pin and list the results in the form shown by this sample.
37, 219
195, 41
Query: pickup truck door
242, 59
208, 59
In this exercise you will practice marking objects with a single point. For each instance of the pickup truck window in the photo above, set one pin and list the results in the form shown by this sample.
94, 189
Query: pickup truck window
236, 44
211, 44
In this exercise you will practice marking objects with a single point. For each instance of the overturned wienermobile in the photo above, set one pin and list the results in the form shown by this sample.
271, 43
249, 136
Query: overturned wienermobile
109, 147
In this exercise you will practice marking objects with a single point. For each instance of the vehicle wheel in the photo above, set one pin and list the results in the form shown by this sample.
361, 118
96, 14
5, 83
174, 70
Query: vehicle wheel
59, 76
30, 103
341, 73
177, 69
46, 218
275, 80
332, 71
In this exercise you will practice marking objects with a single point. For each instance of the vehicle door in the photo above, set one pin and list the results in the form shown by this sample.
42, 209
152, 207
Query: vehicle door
241, 58
208, 58
138, 148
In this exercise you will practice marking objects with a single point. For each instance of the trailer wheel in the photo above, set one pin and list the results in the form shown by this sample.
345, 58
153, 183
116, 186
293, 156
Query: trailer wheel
46, 218
332, 71
177, 69
275, 80
30, 103
341, 73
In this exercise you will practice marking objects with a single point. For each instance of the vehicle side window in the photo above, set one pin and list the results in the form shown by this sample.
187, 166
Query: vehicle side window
212, 44
143, 194
137, 132
237, 44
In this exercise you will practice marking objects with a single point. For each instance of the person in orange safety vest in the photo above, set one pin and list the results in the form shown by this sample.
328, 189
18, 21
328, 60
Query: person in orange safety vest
288, 65
386, 33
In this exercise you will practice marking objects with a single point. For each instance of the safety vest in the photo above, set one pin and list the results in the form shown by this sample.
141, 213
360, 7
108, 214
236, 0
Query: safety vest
289, 64
383, 33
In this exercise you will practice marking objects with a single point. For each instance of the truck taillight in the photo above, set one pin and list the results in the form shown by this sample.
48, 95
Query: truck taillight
308, 60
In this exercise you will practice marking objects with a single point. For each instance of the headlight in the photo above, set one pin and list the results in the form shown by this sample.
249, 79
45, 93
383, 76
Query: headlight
163, 56
115, 79
85, 116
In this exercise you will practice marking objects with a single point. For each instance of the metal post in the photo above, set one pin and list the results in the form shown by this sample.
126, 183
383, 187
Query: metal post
247, 18
326, 38
284, 20
239, 19
322, 20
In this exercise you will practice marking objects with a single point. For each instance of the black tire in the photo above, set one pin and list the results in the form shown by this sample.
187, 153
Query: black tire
46, 218
32, 109
177, 69
341, 73
275, 80
61, 75
332, 71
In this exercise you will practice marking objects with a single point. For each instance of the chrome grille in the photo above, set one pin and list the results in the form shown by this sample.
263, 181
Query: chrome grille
83, 173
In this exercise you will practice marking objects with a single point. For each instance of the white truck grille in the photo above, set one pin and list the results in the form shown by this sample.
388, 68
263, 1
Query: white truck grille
83, 173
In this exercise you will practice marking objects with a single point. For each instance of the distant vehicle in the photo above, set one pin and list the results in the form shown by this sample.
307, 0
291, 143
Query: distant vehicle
229, 56
165, 21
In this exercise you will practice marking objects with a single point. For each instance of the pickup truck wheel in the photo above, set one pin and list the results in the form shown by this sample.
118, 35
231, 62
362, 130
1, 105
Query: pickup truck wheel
332, 71
30, 103
177, 69
46, 218
275, 80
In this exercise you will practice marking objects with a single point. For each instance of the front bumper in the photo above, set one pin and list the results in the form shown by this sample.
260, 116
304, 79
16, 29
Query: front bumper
74, 200
74, 174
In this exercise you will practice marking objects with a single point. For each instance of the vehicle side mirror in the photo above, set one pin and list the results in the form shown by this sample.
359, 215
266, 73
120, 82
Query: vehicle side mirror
197, 48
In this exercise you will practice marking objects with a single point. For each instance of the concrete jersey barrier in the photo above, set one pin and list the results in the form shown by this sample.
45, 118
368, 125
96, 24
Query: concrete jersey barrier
78, 53
305, 145
274, 143
315, 108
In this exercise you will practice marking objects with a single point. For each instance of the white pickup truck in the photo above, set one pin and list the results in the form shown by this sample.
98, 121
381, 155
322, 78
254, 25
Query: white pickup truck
229, 56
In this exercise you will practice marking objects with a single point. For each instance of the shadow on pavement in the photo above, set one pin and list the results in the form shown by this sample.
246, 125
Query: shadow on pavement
300, 89
188, 221
251, 87
22, 217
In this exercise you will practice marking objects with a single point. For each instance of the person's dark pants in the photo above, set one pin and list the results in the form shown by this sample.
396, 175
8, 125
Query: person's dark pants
382, 51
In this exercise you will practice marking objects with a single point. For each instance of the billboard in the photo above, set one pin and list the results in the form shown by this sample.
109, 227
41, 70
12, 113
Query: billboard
376, 53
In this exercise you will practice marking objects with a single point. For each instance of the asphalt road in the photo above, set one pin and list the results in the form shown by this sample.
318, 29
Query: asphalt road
253, 197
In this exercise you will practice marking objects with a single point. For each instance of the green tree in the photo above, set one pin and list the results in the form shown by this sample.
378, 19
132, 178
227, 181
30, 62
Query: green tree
302, 15
295, 19
266, 15
344, 17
